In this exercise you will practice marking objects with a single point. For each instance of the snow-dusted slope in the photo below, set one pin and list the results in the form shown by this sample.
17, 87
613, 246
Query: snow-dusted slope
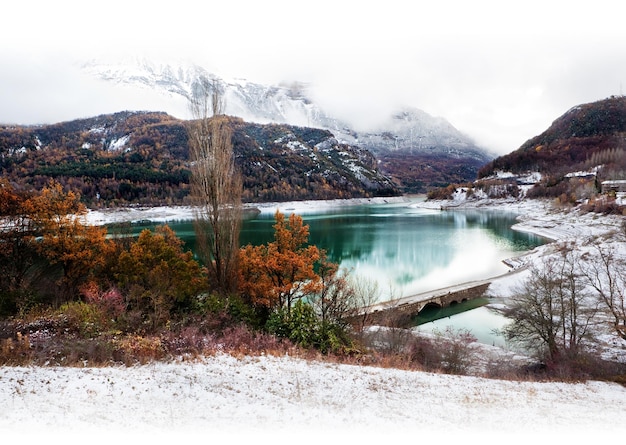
248, 399
412, 130
286, 103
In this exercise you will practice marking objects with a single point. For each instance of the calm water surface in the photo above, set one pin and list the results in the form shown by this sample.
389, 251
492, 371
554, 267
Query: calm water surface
407, 250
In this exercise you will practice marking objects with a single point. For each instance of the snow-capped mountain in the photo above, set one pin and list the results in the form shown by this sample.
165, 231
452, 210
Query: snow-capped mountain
409, 129
284, 104
410, 133
413, 131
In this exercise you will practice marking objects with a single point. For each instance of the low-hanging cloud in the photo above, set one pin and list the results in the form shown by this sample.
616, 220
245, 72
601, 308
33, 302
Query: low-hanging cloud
500, 73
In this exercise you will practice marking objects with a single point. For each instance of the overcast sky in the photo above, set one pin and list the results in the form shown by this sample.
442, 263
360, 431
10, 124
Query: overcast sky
499, 71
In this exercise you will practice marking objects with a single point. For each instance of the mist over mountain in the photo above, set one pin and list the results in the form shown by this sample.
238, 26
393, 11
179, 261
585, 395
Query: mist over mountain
417, 150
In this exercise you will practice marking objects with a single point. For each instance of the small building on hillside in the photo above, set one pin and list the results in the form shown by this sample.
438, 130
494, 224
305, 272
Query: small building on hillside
617, 186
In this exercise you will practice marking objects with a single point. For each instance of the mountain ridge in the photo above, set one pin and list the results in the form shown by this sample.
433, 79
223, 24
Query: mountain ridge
577, 140
142, 158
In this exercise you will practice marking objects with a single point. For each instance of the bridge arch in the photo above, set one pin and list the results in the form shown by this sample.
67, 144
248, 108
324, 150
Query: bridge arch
430, 306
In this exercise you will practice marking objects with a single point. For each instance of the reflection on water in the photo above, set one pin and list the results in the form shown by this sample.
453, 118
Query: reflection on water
409, 250
482, 322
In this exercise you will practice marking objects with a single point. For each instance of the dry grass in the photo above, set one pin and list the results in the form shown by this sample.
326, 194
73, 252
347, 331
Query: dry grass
50, 340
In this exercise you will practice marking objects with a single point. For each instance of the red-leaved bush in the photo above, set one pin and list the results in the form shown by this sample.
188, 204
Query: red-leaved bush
110, 300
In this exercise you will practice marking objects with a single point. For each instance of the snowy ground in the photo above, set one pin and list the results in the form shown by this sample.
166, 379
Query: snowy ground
253, 398
258, 398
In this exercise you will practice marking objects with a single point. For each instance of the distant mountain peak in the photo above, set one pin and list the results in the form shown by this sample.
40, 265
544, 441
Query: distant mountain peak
287, 102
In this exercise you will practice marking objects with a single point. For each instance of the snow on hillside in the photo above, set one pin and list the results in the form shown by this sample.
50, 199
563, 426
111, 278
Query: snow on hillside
291, 103
180, 213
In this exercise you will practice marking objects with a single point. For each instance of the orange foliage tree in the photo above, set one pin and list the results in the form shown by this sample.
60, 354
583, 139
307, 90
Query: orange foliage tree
46, 233
157, 276
17, 255
64, 238
276, 274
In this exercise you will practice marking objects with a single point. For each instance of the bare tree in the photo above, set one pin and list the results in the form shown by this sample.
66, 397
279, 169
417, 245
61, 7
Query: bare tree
336, 299
605, 271
552, 311
366, 293
216, 184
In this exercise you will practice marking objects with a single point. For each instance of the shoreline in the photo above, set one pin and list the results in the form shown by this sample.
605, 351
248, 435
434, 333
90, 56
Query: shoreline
538, 217
164, 214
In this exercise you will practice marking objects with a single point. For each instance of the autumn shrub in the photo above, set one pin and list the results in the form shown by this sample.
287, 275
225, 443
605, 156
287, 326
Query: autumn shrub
69, 351
133, 349
243, 339
87, 320
110, 301
157, 278
442, 193
188, 341
16, 351
220, 312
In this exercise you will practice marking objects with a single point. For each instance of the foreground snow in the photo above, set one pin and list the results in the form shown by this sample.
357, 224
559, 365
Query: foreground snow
262, 397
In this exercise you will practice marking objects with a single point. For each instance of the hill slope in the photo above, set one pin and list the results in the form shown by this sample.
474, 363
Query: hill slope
141, 157
586, 136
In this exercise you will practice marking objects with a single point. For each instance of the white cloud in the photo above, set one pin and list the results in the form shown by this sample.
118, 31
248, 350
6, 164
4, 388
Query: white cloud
500, 72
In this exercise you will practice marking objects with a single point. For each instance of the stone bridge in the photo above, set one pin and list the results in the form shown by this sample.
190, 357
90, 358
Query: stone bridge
398, 313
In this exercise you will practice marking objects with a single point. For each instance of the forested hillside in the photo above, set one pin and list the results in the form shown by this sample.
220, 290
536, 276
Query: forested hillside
142, 158
586, 136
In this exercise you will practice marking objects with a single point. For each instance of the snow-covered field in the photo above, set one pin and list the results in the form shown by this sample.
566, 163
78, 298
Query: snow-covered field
254, 398
260, 398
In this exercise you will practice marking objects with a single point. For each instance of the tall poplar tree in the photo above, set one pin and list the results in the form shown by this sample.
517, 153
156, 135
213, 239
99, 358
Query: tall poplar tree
216, 184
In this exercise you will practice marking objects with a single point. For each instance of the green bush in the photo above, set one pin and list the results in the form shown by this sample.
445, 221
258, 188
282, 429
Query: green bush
88, 320
232, 310
302, 326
